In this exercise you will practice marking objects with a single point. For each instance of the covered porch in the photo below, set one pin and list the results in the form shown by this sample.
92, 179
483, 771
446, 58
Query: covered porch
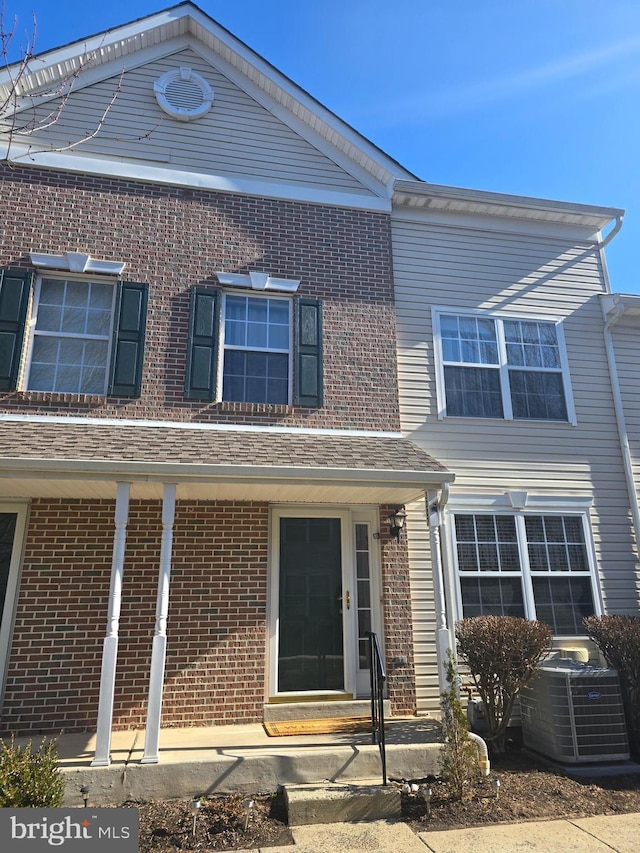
180, 472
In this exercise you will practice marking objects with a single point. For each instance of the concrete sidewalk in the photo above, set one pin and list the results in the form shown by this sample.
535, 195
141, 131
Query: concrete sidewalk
606, 834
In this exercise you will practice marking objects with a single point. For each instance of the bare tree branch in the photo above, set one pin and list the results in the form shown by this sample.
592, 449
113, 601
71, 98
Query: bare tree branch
23, 111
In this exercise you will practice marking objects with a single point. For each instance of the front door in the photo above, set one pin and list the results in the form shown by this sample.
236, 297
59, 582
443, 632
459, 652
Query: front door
322, 595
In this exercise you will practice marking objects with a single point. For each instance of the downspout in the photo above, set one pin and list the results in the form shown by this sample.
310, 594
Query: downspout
443, 644
611, 315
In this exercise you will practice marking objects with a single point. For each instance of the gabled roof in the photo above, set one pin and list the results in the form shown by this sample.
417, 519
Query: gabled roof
127, 45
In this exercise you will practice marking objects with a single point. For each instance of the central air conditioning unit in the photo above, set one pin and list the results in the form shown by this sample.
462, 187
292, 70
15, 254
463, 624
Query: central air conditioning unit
572, 712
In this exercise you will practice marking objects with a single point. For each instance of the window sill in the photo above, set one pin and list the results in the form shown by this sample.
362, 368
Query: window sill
255, 408
55, 397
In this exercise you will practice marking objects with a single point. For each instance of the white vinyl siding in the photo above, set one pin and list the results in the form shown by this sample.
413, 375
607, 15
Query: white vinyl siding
518, 270
238, 136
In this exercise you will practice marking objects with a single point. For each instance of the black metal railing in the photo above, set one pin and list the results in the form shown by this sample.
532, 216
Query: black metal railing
378, 678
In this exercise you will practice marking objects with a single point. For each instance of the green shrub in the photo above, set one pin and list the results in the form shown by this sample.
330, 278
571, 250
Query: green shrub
502, 653
28, 778
618, 638
458, 755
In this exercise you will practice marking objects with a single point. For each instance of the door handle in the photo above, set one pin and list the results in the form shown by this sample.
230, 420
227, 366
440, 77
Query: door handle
346, 598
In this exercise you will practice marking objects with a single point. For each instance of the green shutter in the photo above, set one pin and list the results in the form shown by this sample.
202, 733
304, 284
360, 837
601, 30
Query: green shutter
15, 287
202, 347
128, 340
308, 353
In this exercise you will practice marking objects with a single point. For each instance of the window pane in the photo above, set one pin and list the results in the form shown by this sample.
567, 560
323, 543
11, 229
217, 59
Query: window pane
563, 602
537, 395
531, 344
469, 339
49, 318
492, 597
473, 392
480, 545
255, 377
556, 544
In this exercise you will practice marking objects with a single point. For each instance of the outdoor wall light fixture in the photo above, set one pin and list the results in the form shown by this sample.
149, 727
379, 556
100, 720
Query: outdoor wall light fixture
397, 520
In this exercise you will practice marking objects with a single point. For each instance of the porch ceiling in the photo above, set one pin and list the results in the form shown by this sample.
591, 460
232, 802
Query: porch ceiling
64, 459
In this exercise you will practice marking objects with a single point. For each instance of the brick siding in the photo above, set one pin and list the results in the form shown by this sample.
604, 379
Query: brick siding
173, 239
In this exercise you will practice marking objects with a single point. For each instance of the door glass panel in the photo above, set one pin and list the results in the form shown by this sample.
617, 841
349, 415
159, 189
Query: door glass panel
310, 647
363, 572
7, 532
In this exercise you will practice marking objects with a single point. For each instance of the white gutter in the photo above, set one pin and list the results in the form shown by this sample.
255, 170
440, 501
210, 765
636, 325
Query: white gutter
613, 310
135, 471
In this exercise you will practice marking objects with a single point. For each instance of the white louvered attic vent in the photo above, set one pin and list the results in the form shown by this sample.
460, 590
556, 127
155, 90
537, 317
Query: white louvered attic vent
183, 94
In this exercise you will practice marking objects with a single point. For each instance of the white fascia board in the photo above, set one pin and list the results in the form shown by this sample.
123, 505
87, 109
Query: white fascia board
490, 223
250, 61
525, 206
136, 171
381, 185
176, 472
616, 305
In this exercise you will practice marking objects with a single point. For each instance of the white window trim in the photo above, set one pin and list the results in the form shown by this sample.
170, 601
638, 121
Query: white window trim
11, 596
502, 366
507, 504
33, 319
222, 347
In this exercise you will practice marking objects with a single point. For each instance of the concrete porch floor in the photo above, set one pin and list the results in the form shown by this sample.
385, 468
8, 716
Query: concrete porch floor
201, 761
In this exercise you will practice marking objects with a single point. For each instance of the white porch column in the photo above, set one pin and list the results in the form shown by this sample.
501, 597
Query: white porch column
102, 755
159, 649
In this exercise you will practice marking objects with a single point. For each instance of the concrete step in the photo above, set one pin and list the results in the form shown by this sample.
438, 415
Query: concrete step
319, 710
338, 802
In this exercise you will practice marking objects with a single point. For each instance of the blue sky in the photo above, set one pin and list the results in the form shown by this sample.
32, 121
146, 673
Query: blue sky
532, 97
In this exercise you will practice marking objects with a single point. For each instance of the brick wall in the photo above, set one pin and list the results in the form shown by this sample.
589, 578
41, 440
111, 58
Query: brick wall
215, 668
398, 630
173, 239
216, 651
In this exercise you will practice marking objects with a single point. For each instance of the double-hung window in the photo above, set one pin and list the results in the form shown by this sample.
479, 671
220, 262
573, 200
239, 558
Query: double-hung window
501, 367
256, 349
72, 329
525, 564
71, 335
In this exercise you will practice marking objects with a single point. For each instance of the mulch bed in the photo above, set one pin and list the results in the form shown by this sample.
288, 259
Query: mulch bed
529, 790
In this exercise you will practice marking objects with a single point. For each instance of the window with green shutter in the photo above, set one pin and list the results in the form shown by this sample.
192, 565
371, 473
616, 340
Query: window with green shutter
254, 348
86, 335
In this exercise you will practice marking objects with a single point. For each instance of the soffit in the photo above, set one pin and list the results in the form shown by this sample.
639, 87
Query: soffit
422, 195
